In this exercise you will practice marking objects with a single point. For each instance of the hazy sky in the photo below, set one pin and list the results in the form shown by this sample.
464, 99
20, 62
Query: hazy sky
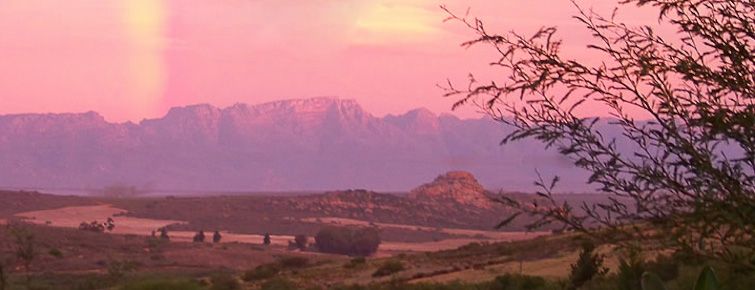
134, 59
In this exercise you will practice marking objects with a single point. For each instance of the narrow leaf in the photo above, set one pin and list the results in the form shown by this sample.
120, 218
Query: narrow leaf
707, 280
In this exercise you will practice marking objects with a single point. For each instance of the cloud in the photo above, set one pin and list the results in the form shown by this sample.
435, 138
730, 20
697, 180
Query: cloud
388, 22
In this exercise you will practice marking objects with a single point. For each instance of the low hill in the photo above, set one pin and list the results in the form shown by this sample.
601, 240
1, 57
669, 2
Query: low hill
458, 186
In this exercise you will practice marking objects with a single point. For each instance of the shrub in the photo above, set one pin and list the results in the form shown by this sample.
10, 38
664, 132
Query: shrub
55, 252
216, 237
588, 266
630, 272
261, 272
199, 237
224, 281
707, 280
666, 267
293, 262
389, 268
355, 263
93, 226
301, 242
519, 282
279, 284
348, 241
118, 269
163, 285
266, 239
164, 234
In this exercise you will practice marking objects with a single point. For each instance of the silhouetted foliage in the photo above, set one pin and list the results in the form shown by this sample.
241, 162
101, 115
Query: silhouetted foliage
216, 237
682, 172
589, 265
348, 240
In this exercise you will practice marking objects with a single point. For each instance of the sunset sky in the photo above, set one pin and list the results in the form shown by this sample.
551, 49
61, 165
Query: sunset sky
134, 59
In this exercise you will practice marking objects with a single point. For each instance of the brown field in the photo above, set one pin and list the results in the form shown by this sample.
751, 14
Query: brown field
430, 253
479, 234
71, 217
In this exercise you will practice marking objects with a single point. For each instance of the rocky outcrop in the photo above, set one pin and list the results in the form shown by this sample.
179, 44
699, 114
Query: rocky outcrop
456, 186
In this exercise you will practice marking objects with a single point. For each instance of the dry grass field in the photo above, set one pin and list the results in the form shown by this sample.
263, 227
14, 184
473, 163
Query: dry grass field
440, 254
71, 217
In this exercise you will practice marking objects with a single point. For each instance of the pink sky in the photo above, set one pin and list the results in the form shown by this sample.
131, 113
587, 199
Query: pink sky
134, 59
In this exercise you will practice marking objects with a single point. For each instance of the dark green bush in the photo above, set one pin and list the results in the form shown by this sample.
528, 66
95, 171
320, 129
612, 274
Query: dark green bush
348, 241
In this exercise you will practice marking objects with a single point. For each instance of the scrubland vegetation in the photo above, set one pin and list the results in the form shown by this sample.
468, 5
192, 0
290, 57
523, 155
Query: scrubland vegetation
678, 210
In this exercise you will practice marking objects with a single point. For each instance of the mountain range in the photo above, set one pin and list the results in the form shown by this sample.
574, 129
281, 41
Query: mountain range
291, 145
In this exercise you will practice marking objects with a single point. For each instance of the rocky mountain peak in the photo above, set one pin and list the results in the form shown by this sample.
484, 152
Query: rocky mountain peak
313, 105
199, 111
457, 186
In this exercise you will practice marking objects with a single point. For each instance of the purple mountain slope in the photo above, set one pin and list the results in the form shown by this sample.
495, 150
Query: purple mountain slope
311, 144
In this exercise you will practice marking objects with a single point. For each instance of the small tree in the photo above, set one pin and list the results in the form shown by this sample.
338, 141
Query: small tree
266, 239
164, 234
630, 271
110, 224
199, 237
216, 237
677, 156
25, 247
301, 242
589, 265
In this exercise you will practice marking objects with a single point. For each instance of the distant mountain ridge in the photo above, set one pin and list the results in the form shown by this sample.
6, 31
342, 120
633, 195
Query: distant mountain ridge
304, 144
